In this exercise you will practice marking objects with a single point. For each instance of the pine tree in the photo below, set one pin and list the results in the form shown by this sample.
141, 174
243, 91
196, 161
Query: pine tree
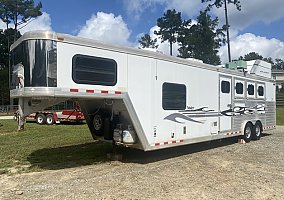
169, 25
147, 42
202, 40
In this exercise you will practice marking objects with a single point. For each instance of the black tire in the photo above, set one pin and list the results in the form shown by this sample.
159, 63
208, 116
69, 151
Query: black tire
98, 124
40, 119
257, 131
49, 119
248, 132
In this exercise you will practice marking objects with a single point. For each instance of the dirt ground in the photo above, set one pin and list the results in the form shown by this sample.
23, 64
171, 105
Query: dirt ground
215, 170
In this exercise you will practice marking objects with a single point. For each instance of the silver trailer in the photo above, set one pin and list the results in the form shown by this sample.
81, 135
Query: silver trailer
139, 98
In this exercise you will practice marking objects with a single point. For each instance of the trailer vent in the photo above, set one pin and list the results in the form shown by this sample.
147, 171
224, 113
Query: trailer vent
94, 70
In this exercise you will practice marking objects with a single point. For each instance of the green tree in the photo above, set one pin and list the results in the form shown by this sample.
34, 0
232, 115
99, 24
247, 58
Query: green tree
4, 12
4, 86
202, 40
169, 25
269, 59
186, 40
3, 50
4, 70
18, 12
147, 42
218, 4
5, 37
278, 64
251, 56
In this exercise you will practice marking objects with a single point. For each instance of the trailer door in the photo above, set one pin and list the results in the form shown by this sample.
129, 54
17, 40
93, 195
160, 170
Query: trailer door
225, 102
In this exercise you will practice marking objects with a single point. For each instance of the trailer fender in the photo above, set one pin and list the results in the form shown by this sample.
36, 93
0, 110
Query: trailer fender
55, 117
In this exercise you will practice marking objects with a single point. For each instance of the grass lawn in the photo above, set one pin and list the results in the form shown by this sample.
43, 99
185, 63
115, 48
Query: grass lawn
280, 116
41, 147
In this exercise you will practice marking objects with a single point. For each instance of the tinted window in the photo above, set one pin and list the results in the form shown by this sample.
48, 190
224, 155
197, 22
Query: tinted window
260, 91
174, 96
251, 89
34, 64
239, 88
94, 70
225, 87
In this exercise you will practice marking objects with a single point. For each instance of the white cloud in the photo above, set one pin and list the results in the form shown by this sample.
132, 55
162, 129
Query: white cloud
252, 11
136, 7
248, 42
190, 8
106, 27
2, 25
42, 22
240, 45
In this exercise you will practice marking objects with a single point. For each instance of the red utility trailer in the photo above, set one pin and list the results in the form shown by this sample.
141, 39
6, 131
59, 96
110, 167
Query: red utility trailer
51, 117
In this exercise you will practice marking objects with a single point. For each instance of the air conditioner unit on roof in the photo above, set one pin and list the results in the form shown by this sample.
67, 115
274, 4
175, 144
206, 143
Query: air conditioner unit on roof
259, 68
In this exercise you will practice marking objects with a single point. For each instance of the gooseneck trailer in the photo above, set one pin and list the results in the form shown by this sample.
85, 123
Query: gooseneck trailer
139, 98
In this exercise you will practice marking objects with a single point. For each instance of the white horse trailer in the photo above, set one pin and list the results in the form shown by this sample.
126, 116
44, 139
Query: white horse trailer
139, 98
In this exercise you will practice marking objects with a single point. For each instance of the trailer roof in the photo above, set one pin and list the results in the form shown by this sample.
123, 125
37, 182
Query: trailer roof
59, 37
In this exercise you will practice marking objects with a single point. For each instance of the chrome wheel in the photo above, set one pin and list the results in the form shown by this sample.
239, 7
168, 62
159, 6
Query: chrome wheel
257, 131
49, 119
97, 122
247, 132
40, 119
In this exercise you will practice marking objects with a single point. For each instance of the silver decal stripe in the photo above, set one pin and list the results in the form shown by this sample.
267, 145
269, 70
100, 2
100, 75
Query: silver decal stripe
202, 112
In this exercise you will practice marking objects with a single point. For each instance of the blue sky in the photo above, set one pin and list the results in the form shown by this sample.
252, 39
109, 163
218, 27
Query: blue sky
258, 27
73, 17
68, 16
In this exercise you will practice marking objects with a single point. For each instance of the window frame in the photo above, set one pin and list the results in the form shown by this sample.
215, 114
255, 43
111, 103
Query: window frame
254, 86
225, 87
257, 93
242, 89
174, 102
237, 95
93, 82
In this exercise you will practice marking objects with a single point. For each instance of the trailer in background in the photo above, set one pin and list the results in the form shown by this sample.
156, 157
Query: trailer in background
139, 98
56, 117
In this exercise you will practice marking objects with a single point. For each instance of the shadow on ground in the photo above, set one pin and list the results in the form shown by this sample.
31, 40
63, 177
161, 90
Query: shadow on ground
96, 152
70, 156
